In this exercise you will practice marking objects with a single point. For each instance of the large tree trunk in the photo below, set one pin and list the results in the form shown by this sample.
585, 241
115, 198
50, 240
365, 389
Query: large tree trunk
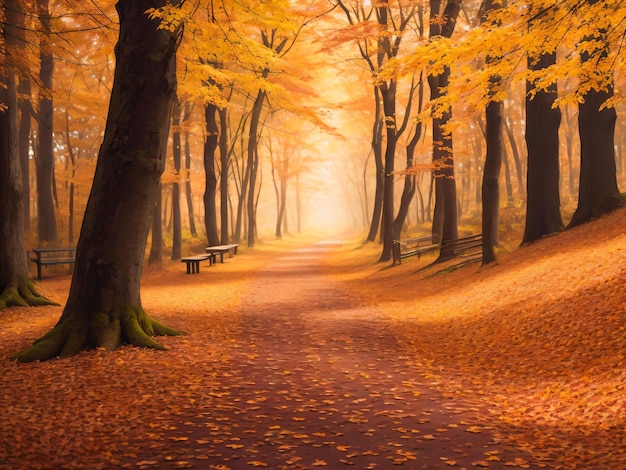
104, 306
543, 209
16, 287
210, 146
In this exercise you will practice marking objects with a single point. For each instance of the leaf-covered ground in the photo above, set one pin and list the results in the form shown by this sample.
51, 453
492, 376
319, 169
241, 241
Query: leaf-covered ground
307, 357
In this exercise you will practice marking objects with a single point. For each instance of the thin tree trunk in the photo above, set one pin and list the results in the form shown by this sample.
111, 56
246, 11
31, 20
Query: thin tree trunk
253, 163
224, 176
26, 111
210, 146
45, 157
377, 148
177, 235
389, 105
188, 192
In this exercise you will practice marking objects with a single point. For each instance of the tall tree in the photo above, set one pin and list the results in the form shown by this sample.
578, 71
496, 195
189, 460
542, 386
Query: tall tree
16, 288
224, 175
188, 193
543, 207
177, 237
443, 18
493, 159
210, 146
410, 180
104, 305
378, 50
45, 155
597, 191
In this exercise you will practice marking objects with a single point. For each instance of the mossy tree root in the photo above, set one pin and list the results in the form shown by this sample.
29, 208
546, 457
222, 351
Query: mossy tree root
75, 332
22, 293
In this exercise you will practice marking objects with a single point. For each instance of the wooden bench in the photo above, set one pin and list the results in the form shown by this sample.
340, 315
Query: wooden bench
412, 247
467, 249
193, 262
50, 256
215, 250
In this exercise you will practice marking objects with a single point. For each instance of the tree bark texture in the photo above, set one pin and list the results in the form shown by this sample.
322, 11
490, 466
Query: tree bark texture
156, 247
16, 288
104, 306
543, 208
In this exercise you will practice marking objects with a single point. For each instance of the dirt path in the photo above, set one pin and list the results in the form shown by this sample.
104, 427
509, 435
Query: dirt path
315, 380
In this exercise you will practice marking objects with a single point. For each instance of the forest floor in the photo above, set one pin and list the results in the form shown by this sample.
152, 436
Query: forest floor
302, 355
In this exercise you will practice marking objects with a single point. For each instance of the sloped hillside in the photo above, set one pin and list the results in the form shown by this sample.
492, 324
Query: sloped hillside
540, 338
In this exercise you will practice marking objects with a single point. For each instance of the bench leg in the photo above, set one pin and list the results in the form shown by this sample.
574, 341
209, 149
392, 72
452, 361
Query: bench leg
39, 271
222, 257
188, 263
196, 267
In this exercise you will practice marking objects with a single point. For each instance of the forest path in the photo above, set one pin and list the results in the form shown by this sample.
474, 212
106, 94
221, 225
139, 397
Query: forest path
317, 380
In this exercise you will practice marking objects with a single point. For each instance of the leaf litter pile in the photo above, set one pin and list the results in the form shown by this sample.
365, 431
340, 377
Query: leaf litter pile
305, 356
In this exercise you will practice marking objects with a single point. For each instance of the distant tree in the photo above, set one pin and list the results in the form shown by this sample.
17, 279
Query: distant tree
188, 193
379, 47
410, 181
225, 167
211, 145
45, 154
493, 161
16, 288
104, 305
177, 235
18, 31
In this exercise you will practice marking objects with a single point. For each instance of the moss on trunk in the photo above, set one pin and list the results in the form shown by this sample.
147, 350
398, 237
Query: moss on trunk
103, 330
21, 293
